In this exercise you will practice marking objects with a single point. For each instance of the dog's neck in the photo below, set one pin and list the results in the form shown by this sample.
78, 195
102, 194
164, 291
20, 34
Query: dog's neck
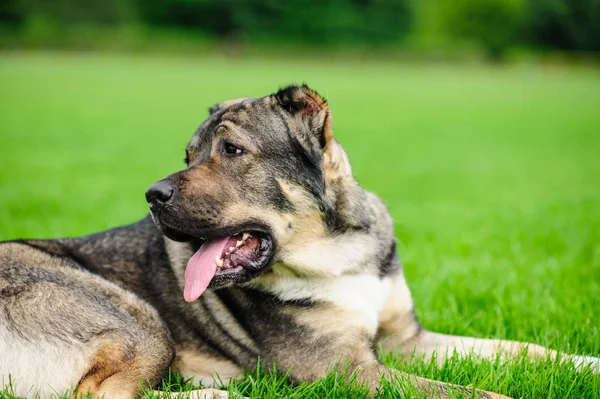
356, 241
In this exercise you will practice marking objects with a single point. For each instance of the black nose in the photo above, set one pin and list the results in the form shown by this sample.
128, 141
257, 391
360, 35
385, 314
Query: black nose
159, 193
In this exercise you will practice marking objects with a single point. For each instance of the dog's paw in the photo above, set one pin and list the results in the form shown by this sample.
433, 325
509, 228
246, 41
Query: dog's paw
582, 362
208, 393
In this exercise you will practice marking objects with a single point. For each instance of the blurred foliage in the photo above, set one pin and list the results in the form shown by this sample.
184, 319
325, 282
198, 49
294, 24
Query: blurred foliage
565, 24
492, 26
19, 12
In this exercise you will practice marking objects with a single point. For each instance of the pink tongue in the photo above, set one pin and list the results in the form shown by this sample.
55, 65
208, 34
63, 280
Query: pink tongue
201, 268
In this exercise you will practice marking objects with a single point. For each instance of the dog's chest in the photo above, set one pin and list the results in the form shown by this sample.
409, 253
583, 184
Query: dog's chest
363, 296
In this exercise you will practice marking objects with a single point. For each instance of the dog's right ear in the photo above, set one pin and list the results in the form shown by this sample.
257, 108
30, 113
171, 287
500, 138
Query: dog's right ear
226, 104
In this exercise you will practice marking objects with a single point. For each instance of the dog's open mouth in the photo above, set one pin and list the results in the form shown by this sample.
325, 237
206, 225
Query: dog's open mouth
230, 259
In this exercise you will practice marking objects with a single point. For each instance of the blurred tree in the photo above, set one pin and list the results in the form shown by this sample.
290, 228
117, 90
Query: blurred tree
564, 24
492, 24
311, 22
75, 11
11, 12
208, 16
337, 21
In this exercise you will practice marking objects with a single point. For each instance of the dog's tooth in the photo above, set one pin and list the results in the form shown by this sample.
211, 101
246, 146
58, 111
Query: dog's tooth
245, 236
231, 249
219, 261
237, 244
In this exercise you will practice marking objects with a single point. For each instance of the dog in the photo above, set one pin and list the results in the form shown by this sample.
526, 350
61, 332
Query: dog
264, 246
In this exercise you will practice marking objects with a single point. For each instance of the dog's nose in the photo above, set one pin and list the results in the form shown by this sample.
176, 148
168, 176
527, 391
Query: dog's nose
159, 193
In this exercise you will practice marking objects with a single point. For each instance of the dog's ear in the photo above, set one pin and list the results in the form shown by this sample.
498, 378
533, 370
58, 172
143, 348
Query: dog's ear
312, 112
310, 109
226, 104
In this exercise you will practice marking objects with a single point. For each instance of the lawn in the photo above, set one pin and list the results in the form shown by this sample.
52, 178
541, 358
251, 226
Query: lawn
492, 176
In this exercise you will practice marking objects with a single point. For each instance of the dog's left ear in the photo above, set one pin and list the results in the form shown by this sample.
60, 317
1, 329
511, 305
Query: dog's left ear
312, 112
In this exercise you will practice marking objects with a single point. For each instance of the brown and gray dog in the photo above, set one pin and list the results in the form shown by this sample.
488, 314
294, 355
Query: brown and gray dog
266, 247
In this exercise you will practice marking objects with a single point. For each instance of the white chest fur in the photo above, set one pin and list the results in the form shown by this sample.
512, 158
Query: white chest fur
363, 295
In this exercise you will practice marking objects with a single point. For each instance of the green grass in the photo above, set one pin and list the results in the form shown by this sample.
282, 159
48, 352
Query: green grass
492, 176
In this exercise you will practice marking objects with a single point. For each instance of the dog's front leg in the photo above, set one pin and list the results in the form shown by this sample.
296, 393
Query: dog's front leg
400, 332
427, 343
207, 393
330, 339
369, 371
437, 389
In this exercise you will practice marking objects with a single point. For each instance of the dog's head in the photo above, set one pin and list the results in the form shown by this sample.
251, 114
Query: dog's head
264, 178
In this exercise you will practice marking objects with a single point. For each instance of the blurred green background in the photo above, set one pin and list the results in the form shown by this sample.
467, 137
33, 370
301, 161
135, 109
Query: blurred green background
489, 29
477, 122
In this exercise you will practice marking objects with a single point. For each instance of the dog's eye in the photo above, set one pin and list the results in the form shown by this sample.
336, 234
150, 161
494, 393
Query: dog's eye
231, 150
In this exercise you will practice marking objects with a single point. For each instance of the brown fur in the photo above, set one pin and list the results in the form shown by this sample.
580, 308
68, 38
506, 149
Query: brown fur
203, 367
